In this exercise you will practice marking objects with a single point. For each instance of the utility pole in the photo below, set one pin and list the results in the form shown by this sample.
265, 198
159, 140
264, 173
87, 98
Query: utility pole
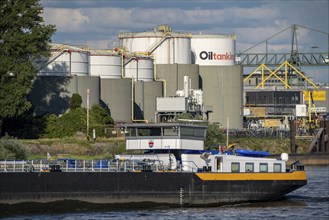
88, 91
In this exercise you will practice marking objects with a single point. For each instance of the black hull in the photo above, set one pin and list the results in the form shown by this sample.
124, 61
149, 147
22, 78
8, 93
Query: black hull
172, 188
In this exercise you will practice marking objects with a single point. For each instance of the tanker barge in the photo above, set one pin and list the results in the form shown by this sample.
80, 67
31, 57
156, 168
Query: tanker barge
174, 170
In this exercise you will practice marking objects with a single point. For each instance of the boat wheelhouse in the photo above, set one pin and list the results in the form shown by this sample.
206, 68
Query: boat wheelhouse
180, 147
164, 136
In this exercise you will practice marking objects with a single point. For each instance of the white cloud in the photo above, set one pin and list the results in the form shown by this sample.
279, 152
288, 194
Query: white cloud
100, 26
66, 20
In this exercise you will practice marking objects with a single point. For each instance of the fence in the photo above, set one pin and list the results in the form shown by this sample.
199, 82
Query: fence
70, 165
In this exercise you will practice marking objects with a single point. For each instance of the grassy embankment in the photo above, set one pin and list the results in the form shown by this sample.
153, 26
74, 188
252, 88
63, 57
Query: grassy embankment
107, 148
75, 148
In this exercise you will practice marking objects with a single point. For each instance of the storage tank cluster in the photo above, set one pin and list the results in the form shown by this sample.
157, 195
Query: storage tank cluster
138, 51
65, 61
182, 48
166, 46
151, 56
68, 60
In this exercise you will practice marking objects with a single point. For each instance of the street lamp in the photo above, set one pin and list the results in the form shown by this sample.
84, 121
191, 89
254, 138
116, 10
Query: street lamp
314, 47
312, 55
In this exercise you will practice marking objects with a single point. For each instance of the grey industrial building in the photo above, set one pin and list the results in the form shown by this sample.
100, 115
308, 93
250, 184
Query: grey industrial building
127, 84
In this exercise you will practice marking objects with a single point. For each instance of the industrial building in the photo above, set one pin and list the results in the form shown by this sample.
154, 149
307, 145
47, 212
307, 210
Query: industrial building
278, 101
128, 79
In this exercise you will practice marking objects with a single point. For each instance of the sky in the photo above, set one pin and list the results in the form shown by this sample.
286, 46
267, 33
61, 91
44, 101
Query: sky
97, 23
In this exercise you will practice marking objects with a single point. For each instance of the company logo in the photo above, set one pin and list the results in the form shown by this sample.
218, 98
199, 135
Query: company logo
204, 55
151, 143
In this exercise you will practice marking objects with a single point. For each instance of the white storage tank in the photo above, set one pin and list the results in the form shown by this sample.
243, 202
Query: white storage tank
105, 65
140, 68
66, 61
213, 49
167, 47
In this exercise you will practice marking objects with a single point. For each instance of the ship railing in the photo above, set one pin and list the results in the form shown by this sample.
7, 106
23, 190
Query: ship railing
80, 166
12, 166
23, 166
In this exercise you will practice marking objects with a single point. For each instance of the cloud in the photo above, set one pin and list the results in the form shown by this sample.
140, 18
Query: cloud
67, 20
252, 23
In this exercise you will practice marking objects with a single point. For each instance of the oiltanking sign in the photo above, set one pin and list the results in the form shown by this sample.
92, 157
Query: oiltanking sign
210, 55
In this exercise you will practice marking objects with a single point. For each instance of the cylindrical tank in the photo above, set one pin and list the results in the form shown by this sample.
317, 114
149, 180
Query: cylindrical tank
140, 68
66, 62
213, 50
106, 65
167, 46
186, 86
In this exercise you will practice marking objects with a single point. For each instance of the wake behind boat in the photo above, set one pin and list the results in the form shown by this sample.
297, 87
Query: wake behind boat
174, 170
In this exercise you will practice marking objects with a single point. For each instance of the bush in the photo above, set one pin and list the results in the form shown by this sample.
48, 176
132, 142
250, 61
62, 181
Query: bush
214, 136
75, 101
100, 116
76, 120
67, 125
11, 149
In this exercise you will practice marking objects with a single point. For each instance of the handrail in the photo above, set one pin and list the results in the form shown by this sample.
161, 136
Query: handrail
115, 165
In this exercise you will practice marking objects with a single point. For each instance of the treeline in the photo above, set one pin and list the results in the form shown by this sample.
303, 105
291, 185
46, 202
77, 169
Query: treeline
27, 126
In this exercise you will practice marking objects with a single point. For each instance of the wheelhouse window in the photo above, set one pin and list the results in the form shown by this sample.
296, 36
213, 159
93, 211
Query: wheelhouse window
277, 168
186, 131
263, 167
130, 132
198, 132
170, 131
235, 167
249, 167
149, 131
192, 132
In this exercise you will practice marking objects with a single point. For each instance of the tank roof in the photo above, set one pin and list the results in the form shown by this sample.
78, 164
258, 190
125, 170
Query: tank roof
155, 34
227, 36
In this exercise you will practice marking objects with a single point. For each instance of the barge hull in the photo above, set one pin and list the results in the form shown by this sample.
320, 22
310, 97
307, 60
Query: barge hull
172, 188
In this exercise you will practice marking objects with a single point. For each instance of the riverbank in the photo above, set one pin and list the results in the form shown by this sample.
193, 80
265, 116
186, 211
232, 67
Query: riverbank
307, 159
107, 148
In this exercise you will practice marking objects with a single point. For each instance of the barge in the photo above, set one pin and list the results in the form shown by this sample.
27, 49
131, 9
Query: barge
174, 169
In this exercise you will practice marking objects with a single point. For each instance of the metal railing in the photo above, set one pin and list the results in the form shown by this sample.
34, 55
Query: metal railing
80, 166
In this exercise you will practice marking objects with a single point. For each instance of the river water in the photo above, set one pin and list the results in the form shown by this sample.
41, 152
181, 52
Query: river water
308, 202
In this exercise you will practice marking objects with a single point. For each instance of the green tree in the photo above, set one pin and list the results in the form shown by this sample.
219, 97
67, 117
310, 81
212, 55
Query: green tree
75, 101
24, 40
100, 116
76, 120
66, 125
214, 136
100, 119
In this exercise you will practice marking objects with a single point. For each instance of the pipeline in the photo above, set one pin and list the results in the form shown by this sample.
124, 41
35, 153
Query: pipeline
132, 88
